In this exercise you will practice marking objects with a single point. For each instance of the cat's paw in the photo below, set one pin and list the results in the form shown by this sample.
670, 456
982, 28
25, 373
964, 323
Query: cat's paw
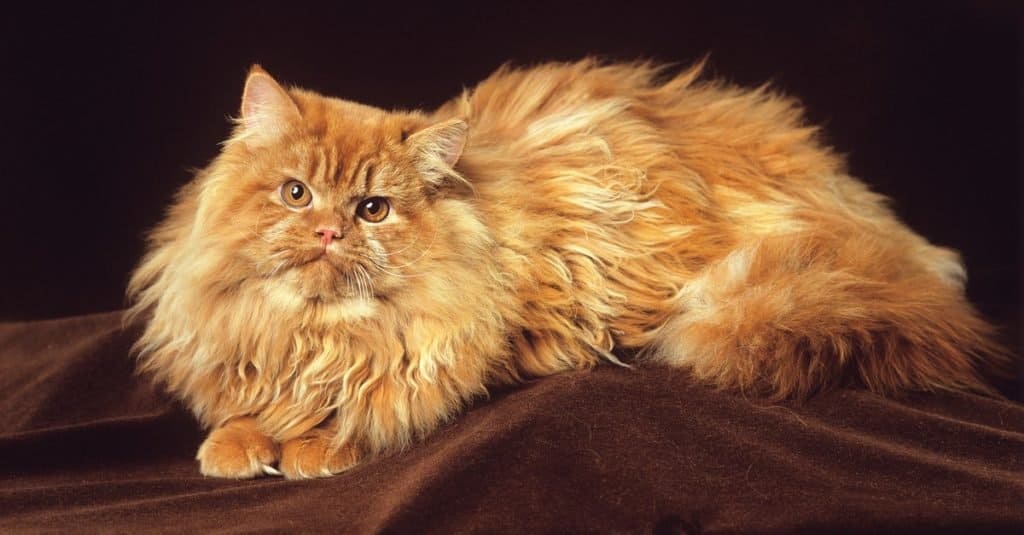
313, 455
238, 450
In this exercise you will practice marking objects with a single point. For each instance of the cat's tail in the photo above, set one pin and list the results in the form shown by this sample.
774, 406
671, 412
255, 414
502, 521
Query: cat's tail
793, 317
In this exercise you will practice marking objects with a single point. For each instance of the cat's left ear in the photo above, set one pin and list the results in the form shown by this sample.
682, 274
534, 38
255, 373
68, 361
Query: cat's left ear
267, 109
439, 147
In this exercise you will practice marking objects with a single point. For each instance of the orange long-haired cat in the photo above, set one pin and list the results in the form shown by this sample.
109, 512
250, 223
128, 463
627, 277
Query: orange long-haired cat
342, 279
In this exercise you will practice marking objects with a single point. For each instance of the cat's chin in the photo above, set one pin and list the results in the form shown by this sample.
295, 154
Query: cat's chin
324, 281
321, 279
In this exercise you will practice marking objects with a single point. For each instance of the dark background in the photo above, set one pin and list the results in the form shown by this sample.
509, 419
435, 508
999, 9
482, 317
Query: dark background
106, 108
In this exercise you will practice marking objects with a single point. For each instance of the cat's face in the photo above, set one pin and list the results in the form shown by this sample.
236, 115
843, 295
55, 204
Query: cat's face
331, 200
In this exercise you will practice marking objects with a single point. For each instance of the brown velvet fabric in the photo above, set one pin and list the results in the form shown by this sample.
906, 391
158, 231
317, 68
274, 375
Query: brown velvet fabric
85, 445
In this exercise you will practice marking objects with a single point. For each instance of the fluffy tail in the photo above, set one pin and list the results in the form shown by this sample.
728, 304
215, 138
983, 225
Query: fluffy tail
790, 317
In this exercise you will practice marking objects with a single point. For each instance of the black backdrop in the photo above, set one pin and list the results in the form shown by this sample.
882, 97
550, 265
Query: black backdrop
106, 108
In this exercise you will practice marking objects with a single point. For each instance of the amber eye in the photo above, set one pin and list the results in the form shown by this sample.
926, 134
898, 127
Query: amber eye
374, 209
295, 194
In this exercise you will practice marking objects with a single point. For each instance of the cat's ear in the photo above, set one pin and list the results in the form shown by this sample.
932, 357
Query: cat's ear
439, 147
267, 109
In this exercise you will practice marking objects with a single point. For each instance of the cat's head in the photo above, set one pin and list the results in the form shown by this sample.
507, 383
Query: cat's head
329, 200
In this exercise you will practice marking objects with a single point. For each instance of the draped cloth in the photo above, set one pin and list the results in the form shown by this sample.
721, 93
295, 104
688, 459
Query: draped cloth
88, 445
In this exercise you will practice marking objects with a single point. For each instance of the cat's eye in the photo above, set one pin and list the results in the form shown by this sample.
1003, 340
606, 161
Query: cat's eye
296, 194
374, 209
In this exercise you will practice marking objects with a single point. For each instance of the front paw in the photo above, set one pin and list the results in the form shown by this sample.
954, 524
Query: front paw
314, 455
237, 450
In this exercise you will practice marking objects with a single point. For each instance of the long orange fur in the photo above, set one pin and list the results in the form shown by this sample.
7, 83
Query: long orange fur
550, 219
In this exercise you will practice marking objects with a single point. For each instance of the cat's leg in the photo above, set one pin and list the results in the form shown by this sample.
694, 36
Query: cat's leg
237, 450
315, 454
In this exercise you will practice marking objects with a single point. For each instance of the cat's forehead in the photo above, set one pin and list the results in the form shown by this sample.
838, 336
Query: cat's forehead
341, 140
349, 126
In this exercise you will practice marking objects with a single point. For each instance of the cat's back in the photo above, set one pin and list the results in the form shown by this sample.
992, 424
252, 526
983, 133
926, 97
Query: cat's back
512, 99
643, 127
517, 112
611, 189
605, 143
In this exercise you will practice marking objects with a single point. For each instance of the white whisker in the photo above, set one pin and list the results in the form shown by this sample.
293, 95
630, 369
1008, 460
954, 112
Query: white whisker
403, 249
422, 254
360, 289
367, 281
381, 267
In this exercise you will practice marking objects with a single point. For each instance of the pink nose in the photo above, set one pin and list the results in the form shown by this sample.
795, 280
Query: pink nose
327, 234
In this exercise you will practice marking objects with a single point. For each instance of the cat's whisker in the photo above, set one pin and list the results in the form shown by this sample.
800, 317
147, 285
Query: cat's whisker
278, 259
357, 282
369, 280
360, 288
348, 283
384, 268
278, 267
422, 254
403, 249
367, 285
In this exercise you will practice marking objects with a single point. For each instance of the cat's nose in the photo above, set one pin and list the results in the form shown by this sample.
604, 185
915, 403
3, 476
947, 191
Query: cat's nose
327, 234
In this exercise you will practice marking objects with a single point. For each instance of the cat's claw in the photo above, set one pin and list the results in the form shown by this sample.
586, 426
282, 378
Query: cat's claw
271, 471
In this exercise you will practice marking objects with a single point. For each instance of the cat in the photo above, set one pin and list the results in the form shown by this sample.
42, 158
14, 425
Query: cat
341, 280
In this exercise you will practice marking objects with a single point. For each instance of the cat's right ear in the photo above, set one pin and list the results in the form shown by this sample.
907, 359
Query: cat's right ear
267, 109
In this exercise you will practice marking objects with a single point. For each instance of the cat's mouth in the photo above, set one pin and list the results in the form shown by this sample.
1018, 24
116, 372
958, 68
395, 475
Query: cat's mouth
321, 255
329, 274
